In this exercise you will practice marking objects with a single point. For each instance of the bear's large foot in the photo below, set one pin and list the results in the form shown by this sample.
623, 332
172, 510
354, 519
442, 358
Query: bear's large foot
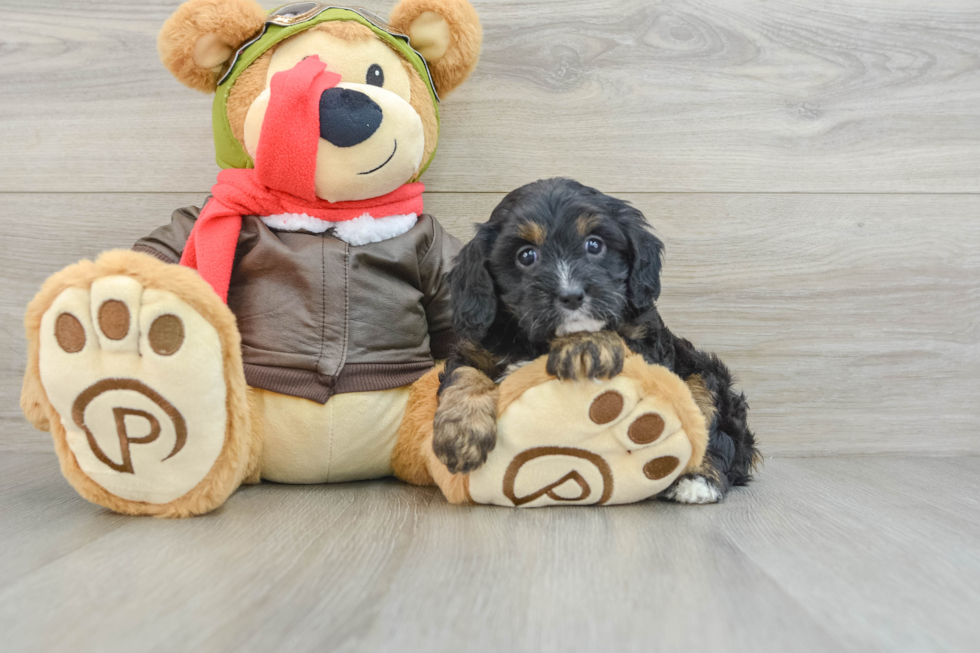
588, 442
138, 372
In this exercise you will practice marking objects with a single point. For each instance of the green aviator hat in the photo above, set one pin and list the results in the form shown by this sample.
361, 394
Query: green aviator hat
280, 25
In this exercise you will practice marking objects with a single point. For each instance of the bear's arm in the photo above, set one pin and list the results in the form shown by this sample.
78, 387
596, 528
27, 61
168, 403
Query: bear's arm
434, 269
167, 242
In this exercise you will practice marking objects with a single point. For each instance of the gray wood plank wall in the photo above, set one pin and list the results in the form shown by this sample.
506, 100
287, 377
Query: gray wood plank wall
814, 170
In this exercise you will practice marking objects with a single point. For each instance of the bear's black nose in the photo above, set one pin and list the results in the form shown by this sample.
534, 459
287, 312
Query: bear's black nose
348, 117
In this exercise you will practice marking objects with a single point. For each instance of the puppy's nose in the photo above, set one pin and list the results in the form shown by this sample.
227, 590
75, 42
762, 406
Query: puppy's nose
571, 298
348, 117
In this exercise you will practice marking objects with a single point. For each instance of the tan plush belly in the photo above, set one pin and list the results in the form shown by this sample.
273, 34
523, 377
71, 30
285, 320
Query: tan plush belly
349, 438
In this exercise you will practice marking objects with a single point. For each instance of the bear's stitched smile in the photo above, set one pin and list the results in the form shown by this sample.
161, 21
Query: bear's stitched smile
383, 164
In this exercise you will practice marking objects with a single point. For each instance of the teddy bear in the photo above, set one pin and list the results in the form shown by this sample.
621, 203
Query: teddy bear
290, 329
275, 333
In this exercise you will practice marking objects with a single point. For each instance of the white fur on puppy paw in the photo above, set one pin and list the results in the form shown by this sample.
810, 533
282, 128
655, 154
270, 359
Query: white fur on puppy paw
694, 489
137, 378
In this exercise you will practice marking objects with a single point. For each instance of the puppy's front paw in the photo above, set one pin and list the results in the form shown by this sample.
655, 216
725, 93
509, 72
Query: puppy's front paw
465, 428
596, 355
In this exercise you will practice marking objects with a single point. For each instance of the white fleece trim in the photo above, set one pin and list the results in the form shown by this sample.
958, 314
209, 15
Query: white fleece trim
296, 222
361, 230
366, 229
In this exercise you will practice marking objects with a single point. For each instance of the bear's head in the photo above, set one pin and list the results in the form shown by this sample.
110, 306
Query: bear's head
379, 126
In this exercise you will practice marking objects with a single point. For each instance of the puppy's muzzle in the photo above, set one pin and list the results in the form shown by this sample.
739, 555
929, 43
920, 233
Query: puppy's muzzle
347, 117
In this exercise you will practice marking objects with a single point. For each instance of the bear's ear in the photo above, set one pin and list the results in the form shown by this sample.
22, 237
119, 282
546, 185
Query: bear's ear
446, 33
202, 35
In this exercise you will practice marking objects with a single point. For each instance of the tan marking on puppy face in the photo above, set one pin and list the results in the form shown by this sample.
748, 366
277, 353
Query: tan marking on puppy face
586, 223
532, 232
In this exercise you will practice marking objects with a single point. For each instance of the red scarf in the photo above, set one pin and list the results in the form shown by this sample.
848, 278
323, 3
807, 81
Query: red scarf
283, 180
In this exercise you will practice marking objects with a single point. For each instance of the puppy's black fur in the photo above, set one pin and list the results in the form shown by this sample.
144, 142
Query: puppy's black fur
558, 268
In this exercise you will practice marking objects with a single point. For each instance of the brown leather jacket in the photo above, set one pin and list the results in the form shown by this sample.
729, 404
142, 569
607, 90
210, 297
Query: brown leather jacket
319, 317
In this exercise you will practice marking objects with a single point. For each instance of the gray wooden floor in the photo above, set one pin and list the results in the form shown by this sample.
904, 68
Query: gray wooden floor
876, 553
814, 170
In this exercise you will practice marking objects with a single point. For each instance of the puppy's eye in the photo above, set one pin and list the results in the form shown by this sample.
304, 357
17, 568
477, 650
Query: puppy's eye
375, 76
594, 245
527, 256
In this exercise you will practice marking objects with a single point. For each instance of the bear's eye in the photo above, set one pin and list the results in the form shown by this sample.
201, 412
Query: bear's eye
375, 75
527, 256
594, 245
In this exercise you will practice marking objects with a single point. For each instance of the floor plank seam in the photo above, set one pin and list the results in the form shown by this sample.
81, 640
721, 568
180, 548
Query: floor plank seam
816, 620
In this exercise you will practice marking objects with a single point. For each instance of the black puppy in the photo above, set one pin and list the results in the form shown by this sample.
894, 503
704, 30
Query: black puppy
564, 270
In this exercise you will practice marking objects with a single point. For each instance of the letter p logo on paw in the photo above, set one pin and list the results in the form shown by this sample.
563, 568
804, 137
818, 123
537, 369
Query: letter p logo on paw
120, 413
136, 376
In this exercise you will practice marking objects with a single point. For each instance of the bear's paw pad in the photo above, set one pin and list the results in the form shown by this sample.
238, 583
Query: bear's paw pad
583, 443
136, 376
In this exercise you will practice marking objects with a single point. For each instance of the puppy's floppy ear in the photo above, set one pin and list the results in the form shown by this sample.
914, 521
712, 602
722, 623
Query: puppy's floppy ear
646, 260
447, 33
202, 35
471, 286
